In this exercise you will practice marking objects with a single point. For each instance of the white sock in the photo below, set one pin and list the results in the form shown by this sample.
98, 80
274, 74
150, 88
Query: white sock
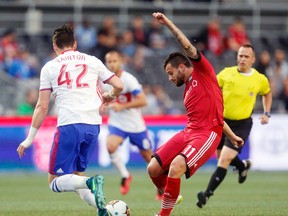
118, 163
87, 196
69, 182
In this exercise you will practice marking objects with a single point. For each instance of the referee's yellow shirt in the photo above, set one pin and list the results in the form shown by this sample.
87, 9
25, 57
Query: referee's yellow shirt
240, 91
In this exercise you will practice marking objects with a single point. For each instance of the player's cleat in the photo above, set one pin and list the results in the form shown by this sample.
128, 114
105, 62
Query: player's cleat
95, 184
104, 212
179, 199
202, 199
159, 194
158, 197
125, 185
243, 173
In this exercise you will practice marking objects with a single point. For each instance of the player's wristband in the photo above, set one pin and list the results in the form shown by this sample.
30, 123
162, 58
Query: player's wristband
32, 133
267, 114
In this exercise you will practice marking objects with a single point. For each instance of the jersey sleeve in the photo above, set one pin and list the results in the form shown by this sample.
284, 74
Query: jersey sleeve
104, 73
133, 85
265, 87
220, 77
45, 83
203, 65
104, 87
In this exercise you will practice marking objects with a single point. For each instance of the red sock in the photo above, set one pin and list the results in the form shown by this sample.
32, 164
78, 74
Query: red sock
170, 196
160, 181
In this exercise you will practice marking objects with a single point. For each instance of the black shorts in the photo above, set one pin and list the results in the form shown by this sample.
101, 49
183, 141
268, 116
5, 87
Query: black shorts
241, 128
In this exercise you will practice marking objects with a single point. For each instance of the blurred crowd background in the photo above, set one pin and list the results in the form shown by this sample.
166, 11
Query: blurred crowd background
216, 27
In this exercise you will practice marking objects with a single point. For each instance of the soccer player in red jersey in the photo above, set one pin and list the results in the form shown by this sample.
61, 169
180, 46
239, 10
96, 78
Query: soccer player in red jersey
190, 148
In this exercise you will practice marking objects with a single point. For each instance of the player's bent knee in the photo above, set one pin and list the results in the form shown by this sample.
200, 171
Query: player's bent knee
150, 169
154, 168
224, 162
111, 148
177, 169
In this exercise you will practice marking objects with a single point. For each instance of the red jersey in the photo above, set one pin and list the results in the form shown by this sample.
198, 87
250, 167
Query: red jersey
240, 36
215, 41
203, 97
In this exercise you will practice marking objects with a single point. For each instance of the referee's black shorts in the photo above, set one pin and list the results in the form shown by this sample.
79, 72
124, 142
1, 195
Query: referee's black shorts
241, 128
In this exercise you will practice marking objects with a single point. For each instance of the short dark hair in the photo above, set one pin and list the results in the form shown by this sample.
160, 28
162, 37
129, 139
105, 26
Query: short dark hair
64, 36
248, 46
177, 58
114, 51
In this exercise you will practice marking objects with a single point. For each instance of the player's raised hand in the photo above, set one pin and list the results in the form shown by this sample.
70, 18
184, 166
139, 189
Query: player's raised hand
160, 17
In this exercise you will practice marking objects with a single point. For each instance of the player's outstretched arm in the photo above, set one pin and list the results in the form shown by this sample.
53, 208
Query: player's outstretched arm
189, 49
138, 101
39, 115
117, 85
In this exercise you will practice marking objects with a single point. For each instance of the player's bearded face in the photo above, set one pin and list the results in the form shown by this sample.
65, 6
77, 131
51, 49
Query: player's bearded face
175, 75
179, 81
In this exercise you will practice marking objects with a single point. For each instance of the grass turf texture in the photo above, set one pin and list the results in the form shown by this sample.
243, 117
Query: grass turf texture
263, 194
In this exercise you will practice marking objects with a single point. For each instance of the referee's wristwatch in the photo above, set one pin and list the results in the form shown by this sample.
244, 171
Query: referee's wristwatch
267, 114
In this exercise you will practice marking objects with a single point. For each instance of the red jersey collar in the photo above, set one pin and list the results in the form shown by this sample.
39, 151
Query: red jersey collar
68, 50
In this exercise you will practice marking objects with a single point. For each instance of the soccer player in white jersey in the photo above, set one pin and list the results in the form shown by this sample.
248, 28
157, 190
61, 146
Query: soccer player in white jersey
72, 78
126, 120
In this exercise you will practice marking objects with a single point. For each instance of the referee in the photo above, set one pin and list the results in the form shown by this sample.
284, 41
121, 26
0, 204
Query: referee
240, 85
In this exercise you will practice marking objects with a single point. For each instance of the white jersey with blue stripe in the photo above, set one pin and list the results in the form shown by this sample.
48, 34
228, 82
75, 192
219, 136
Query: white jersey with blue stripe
129, 120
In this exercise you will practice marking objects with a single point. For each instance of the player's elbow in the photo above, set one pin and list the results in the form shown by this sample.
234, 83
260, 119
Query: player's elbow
144, 102
119, 87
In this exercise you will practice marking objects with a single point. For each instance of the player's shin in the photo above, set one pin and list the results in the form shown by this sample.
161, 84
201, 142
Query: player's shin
170, 196
87, 196
118, 163
68, 183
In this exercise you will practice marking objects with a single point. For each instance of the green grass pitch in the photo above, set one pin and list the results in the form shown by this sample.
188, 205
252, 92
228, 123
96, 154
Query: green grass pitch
263, 194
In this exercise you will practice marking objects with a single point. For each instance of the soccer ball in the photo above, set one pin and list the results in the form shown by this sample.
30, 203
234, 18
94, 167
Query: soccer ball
118, 208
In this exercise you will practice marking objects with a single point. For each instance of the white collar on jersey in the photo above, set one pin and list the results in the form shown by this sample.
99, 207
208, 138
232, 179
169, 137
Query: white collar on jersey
247, 74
